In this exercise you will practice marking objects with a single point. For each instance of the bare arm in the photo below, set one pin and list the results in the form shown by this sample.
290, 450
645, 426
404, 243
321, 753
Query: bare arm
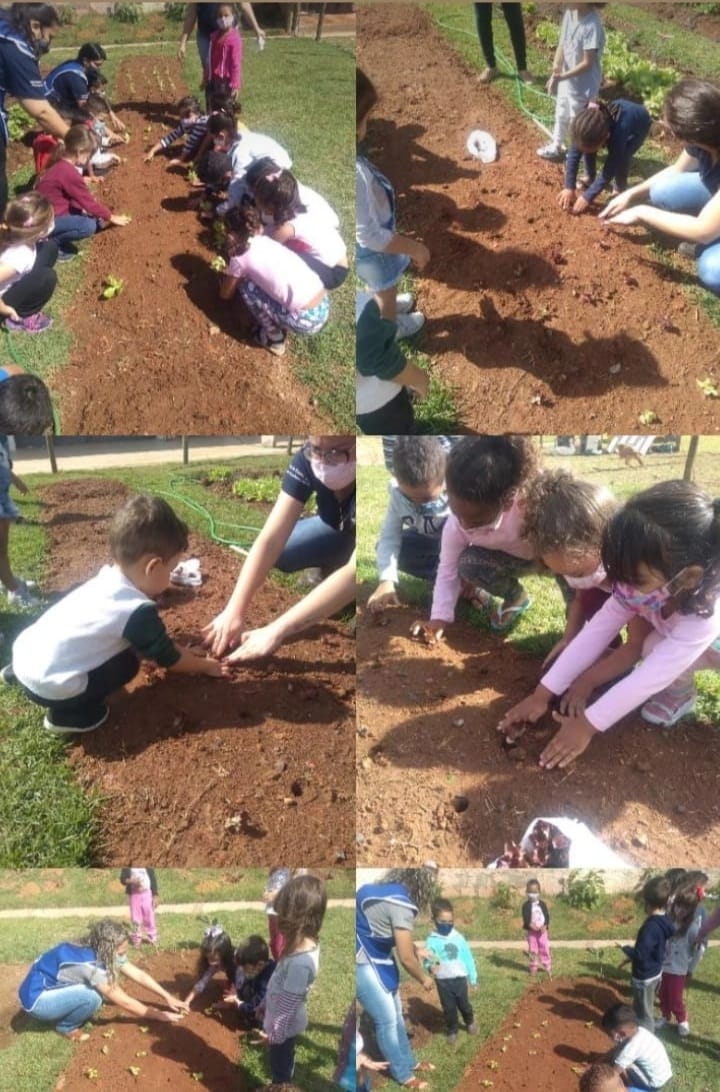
190, 17
228, 287
408, 957
142, 978
585, 64
247, 10
46, 115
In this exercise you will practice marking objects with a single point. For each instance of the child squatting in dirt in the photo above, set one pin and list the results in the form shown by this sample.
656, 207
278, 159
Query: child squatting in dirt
90, 643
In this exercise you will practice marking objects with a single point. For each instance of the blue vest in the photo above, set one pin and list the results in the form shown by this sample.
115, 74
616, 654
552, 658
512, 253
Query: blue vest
8, 33
43, 975
75, 67
378, 950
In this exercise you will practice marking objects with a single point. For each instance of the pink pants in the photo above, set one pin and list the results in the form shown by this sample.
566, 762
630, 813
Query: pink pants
672, 997
539, 949
277, 940
142, 916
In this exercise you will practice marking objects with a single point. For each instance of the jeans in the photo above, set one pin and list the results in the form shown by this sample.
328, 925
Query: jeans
420, 554
67, 1007
385, 1011
87, 708
282, 1061
70, 228
314, 544
687, 193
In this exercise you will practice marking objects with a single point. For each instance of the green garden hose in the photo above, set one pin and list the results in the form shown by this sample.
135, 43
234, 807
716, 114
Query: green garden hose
240, 544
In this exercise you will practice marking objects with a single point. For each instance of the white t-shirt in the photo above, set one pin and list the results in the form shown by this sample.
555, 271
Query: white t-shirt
579, 33
646, 1057
21, 258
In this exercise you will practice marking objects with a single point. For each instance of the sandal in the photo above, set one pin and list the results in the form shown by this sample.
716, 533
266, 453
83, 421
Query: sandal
670, 705
415, 1082
425, 1067
75, 1036
504, 618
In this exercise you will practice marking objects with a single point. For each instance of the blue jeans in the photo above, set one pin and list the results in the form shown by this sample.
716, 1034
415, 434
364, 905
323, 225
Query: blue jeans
282, 1061
68, 229
688, 193
314, 544
67, 1007
203, 46
385, 1011
419, 555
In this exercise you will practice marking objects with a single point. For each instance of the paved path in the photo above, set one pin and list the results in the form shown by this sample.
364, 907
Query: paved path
111, 453
120, 911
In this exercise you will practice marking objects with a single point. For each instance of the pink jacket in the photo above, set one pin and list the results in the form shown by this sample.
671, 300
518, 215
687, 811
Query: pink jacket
225, 57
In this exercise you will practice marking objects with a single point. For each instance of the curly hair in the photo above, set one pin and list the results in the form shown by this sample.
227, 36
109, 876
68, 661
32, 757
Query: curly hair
491, 469
105, 937
563, 513
241, 223
601, 1077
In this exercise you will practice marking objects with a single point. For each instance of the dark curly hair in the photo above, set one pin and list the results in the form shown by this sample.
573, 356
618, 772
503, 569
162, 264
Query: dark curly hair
241, 223
562, 512
491, 469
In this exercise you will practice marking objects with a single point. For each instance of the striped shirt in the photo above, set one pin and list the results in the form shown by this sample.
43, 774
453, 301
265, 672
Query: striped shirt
193, 131
286, 1010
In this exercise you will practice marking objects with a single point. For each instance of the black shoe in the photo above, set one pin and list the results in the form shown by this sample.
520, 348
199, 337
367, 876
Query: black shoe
69, 724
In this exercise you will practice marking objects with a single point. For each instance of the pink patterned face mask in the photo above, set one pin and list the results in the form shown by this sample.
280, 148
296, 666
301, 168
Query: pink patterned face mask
653, 601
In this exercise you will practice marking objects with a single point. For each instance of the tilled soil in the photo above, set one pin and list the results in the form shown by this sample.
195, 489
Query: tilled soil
193, 769
537, 319
166, 355
434, 779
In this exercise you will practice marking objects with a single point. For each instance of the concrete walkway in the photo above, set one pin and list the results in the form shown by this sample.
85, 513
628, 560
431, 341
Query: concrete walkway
120, 911
108, 453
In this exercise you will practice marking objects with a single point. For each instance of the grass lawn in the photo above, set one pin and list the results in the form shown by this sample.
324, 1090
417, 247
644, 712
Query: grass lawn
36, 1058
312, 118
46, 819
542, 626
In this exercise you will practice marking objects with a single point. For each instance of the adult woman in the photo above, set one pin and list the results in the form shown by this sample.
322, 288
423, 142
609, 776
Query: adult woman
685, 197
324, 467
70, 83
514, 20
26, 31
206, 17
385, 916
67, 984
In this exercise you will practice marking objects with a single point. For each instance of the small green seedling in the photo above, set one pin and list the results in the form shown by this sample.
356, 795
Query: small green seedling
196, 1076
113, 287
192, 176
144, 1030
708, 388
141, 1054
126, 137
648, 417
218, 264
219, 229
147, 129
91, 1074
134, 1069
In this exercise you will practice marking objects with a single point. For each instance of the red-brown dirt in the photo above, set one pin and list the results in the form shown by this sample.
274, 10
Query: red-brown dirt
435, 781
536, 318
197, 771
166, 355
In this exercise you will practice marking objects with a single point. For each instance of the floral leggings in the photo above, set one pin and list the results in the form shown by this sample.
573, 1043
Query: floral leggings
273, 317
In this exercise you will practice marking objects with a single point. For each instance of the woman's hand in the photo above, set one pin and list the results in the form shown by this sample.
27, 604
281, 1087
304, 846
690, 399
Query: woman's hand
166, 1017
223, 633
120, 221
552, 85
256, 643
384, 596
176, 1004
436, 627
565, 199
628, 216
566, 745
618, 204
115, 123
529, 709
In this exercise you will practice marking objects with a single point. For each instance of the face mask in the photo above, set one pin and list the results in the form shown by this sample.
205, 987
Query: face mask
431, 508
42, 46
121, 960
225, 22
628, 597
485, 526
534, 895
444, 928
334, 477
592, 581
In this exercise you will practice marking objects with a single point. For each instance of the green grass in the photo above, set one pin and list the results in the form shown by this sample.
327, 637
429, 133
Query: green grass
36, 1058
46, 819
503, 979
543, 625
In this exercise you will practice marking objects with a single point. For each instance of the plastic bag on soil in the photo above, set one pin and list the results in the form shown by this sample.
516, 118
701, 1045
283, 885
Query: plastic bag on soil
583, 848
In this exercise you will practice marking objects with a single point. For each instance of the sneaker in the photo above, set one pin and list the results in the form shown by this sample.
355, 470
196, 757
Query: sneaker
688, 250
551, 152
33, 324
8, 676
683, 1029
472, 1029
409, 325
452, 1040
53, 723
22, 595
404, 303
67, 255
274, 345
525, 76
660, 1023
488, 75
670, 705
310, 578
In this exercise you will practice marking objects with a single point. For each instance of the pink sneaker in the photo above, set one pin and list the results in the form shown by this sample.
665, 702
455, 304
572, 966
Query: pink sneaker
670, 705
33, 324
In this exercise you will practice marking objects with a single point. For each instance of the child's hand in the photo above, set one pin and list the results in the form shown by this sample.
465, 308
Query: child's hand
428, 985
176, 1004
551, 85
120, 221
151, 155
419, 254
580, 206
437, 628
176, 163
9, 312
215, 668
575, 699
566, 745
384, 596
529, 709
372, 1065
565, 199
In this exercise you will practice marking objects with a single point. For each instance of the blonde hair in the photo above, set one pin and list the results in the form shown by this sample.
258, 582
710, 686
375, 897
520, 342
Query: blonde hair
27, 219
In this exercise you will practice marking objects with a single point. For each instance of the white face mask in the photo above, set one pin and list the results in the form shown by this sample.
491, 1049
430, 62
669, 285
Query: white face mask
534, 895
486, 526
334, 477
594, 580
225, 22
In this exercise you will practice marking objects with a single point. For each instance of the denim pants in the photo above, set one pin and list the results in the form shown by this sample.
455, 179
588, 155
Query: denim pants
688, 193
419, 554
385, 1011
282, 1061
314, 544
68, 229
67, 1007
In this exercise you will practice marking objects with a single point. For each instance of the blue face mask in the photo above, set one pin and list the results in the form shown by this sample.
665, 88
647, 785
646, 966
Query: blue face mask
121, 960
432, 508
444, 928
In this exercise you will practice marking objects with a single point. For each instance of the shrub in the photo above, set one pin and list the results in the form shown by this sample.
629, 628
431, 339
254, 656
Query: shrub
19, 122
583, 890
127, 13
175, 13
504, 896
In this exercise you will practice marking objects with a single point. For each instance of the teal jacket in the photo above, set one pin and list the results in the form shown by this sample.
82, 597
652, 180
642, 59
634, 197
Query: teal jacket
452, 957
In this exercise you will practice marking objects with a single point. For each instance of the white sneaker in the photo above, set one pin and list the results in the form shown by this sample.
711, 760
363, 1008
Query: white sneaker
22, 596
551, 152
683, 1029
660, 1022
405, 303
310, 578
409, 325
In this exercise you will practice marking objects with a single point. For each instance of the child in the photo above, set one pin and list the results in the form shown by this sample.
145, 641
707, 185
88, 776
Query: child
453, 968
263, 166
300, 908
483, 542
662, 554
193, 125
225, 55
385, 382
602, 1077
88, 644
142, 890
417, 510
639, 1057
101, 159
27, 257
317, 242
25, 406
254, 970
576, 74
18, 591
648, 953
536, 923
277, 879
682, 955
382, 254
78, 215
276, 286
621, 127
216, 953
197, 140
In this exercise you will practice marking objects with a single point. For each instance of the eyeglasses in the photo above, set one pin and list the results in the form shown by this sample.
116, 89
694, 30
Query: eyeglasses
333, 456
